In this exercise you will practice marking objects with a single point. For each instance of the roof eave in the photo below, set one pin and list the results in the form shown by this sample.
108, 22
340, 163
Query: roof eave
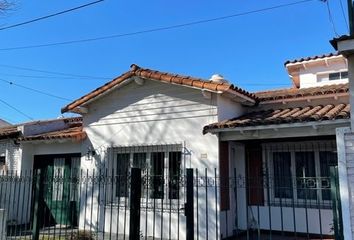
93, 95
277, 126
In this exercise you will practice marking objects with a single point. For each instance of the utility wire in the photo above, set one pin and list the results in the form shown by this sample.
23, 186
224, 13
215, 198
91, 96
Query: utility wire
151, 30
52, 72
50, 16
16, 109
331, 18
36, 90
76, 76
38, 76
345, 18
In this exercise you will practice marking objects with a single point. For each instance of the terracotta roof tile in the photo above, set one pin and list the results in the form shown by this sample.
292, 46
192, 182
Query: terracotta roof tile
6, 132
287, 115
292, 93
312, 58
163, 77
75, 133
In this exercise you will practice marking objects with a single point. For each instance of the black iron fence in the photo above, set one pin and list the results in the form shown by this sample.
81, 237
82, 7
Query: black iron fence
195, 204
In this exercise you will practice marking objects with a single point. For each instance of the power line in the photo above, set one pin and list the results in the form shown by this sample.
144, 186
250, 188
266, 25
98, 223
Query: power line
50, 15
52, 72
345, 18
16, 109
151, 30
36, 90
37, 76
96, 77
331, 18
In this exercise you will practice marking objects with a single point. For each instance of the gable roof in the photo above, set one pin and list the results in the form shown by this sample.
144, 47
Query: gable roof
136, 71
294, 93
285, 115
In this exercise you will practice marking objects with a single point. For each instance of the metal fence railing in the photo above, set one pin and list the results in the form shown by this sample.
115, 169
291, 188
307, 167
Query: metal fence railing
195, 204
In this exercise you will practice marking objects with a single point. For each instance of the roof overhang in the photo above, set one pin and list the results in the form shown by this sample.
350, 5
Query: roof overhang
288, 130
294, 68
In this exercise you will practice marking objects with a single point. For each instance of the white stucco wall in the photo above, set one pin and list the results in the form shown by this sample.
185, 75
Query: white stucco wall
228, 109
30, 149
308, 76
12, 153
156, 113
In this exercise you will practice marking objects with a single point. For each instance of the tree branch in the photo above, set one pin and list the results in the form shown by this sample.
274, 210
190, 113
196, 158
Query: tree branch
5, 5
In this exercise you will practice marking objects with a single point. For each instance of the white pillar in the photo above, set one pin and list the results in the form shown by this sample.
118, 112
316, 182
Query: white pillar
344, 184
351, 88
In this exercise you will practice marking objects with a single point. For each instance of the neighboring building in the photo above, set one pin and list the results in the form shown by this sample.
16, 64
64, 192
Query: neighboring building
3, 123
288, 143
270, 151
50, 145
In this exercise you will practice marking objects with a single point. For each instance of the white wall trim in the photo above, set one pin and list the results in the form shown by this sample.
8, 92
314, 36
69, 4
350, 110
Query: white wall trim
343, 181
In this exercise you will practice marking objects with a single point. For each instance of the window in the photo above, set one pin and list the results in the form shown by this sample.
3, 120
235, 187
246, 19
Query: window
327, 159
302, 176
160, 169
324, 77
305, 175
157, 174
282, 175
139, 161
174, 163
2, 164
58, 183
122, 174
338, 75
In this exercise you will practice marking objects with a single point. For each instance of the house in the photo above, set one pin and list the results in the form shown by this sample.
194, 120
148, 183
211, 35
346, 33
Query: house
262, 160
288, 143
49, 145
284, 138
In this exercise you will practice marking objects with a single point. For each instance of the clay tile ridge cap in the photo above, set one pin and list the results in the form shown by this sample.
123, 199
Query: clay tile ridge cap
135, 70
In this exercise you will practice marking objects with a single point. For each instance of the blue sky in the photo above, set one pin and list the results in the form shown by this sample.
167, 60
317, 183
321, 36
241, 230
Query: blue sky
249, 50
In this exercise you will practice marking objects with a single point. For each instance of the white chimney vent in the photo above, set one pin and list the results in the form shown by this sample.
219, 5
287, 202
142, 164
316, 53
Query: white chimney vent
217, 78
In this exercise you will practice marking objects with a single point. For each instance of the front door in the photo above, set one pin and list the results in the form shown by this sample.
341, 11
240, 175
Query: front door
59, 191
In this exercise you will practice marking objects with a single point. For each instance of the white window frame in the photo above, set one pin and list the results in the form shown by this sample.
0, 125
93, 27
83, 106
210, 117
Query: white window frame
166, 149
294, 147
325, 76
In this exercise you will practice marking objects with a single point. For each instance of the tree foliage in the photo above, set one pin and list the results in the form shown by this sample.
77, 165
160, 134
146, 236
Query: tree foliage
5, 5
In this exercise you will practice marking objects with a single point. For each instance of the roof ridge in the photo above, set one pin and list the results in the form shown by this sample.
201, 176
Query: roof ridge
184, 80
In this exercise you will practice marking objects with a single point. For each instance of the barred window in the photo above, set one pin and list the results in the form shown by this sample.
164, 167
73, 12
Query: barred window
282, 175
160, 166
122, 174
301, 175
2, 164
